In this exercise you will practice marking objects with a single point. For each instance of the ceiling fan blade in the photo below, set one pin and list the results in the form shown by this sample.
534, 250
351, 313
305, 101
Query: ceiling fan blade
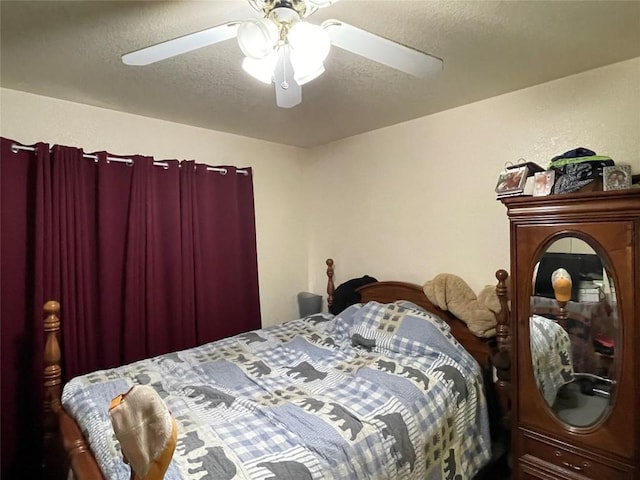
288, 92
382, 50
180, 45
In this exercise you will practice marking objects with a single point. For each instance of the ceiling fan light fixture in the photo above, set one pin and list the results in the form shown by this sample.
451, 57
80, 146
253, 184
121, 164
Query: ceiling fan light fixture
284, 13
304, 72
283, 49
321, 3
309, 41
261, 68
257, 37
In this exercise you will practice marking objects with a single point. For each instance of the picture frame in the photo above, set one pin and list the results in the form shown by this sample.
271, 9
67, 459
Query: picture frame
512, 181
616, 177
543, 183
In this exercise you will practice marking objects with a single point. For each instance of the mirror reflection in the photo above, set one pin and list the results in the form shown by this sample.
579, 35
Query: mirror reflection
574, 331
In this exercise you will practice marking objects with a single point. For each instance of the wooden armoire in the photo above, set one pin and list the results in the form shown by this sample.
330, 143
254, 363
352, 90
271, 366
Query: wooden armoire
590, 428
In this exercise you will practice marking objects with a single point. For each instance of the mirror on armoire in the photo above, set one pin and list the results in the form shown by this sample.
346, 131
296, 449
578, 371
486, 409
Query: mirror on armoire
574, 332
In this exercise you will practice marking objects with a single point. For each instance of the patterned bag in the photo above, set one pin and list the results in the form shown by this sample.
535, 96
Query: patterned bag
577, 168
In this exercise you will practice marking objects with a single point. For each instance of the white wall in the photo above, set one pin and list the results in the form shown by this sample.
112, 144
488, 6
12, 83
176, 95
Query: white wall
282, 251
416, 199
406, 202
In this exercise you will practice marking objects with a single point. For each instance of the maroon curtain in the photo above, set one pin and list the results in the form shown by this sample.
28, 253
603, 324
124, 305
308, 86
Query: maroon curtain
21, 341
144, 259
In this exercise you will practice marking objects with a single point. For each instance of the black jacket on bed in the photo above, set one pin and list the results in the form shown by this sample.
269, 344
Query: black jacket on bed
346, 294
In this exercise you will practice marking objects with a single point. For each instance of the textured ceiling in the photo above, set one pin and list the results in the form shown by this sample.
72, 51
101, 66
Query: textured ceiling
71, 50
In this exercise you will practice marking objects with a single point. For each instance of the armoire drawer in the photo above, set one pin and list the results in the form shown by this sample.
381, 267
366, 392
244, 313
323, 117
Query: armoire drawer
572, 463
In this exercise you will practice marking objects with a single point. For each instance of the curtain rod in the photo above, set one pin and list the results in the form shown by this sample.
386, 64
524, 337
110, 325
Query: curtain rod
222, 171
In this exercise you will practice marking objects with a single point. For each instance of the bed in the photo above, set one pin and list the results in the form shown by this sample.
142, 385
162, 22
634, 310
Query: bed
392, 387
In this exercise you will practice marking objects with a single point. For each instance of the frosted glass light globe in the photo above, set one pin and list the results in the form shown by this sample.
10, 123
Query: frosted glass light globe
261, 68
257, 37
310, 41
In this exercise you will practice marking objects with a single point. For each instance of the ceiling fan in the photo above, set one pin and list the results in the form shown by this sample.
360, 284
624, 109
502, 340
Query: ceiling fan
283, 48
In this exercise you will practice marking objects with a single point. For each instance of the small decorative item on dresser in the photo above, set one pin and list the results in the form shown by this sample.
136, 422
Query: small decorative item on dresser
616, 177
513, 179
543, 183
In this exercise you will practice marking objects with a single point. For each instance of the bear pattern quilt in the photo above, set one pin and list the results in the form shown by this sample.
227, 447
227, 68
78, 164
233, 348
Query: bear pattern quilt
381, 391
551, 356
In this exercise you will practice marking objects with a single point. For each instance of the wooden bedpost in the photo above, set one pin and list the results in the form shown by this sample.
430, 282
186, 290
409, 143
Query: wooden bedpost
330, 286
501, 358
64, 445
52, 380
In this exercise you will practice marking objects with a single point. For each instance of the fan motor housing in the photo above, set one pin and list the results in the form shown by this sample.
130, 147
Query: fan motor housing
284, 8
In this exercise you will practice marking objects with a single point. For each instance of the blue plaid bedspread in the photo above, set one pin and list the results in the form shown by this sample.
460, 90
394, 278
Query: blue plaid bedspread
550, 355
377, 392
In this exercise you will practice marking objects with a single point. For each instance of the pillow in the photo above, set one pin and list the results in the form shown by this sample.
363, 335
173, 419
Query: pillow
339, 328
400, 327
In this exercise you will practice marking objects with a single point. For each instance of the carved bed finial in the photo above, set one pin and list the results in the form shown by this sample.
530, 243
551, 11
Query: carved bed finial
64, 444
502, 329
501, 358
52, 369
330, 286
52, 380
562, 285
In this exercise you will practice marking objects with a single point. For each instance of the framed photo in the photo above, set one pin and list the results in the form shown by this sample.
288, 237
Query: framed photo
512, 180
616, 177
543, 183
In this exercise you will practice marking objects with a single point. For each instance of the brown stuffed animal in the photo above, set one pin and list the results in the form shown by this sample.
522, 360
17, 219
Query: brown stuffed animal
452, 293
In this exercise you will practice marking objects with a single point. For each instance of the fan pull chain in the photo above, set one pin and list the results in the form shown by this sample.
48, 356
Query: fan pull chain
285, 58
